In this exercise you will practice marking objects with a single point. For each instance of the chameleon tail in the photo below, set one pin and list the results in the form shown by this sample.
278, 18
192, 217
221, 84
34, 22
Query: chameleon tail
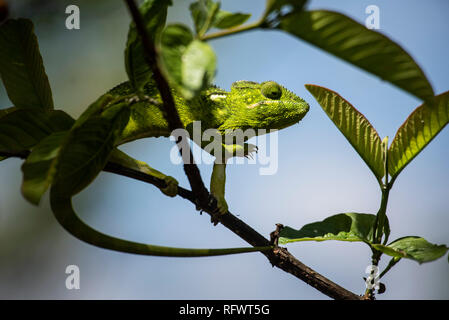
63, 211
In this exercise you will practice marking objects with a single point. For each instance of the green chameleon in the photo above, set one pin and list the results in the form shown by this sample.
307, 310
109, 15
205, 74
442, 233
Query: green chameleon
248, 105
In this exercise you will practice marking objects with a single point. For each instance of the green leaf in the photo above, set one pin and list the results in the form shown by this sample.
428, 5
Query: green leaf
354, 126
4, 112
40, 167
204, 13
60, 120
364, 48
72, 152
342, 227
174, 42
417, 131
154, 14
87, 148
188, 63
226, 20
21, 129
412, 247
21, 66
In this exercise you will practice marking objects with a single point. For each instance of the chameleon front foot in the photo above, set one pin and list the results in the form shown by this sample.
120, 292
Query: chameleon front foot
219, 203
171, 189
222, 205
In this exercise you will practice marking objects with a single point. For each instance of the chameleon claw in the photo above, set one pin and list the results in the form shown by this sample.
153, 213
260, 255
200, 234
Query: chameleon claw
214, 218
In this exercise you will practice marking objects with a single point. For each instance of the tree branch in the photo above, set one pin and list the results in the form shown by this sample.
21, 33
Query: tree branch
278, 257
171, 113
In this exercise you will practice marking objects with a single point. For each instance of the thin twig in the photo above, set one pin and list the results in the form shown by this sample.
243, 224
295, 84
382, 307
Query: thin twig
278, 257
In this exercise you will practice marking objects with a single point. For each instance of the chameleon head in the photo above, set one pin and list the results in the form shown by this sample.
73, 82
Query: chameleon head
265, 105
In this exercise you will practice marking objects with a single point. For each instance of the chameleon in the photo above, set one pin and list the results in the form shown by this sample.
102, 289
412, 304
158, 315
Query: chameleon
248, 105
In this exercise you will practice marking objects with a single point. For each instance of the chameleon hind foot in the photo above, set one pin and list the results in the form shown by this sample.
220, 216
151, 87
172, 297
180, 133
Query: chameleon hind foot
222, 205
171, 189
221, 209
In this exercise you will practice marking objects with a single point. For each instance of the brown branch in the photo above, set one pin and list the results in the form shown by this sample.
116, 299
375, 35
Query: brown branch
279, 257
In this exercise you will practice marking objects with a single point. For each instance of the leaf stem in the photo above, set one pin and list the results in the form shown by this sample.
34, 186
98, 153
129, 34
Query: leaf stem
227, 32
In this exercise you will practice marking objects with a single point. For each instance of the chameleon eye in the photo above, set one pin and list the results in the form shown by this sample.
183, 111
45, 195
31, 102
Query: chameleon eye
271, 90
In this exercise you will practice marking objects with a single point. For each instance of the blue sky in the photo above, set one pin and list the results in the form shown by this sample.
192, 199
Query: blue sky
319, 172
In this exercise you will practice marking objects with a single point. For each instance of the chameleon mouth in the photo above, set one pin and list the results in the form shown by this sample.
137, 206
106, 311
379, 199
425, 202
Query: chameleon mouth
287, 113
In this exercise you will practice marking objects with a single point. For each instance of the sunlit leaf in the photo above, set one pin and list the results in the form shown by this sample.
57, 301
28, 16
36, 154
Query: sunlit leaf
354, 43
198, 68
342, 227
73, 151
416, 132
21, 66
354, 126
415, 248
189, 64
